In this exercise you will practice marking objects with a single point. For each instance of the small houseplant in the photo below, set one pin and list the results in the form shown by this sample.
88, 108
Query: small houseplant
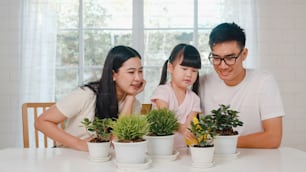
130, 145
163, 124
100, 131
202, 148
227, 120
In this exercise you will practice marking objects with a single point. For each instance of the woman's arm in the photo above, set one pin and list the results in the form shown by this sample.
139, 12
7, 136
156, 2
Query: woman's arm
48, 124
127, 108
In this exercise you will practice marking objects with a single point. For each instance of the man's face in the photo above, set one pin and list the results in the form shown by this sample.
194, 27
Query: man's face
231, 73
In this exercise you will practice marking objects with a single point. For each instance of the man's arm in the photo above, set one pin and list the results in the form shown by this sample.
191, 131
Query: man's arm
270, 138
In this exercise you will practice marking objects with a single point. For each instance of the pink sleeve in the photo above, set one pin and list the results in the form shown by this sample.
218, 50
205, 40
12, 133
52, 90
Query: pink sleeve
196, 105
161, 93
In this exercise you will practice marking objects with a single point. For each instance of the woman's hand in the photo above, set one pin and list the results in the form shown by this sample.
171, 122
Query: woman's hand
141, 86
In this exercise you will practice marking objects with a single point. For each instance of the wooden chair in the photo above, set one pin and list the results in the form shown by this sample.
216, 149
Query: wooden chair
145, 108
30, 112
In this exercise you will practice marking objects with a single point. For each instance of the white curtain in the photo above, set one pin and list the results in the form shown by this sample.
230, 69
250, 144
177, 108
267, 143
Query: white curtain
38, 51
244, 14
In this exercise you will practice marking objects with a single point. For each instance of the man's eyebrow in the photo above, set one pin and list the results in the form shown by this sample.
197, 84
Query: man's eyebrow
227, 55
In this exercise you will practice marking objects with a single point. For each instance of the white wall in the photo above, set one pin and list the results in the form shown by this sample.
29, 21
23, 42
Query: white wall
10, 116
281, 44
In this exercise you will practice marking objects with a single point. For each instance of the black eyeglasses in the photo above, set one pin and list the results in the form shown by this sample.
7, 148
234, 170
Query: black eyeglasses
228, 60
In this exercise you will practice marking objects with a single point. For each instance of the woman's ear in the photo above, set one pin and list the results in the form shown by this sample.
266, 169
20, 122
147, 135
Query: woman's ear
114, 74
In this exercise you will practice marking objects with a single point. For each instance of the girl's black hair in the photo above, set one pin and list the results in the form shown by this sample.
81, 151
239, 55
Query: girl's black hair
191, 58
105, 88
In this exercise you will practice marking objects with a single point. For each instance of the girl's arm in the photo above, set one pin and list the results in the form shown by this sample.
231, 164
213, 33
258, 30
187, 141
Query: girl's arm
48, 124
183, 129
160, 104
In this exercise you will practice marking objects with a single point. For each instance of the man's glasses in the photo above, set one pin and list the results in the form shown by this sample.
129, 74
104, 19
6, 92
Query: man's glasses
228, 60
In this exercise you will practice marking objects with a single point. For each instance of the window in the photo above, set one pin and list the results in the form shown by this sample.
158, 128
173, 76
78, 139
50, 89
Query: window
85, 30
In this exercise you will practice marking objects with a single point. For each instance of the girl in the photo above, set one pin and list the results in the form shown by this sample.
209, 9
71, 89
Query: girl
111, 96
183, 65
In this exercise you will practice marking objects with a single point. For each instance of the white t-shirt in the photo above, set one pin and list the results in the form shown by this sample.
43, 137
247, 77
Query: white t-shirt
80, 104
256, 98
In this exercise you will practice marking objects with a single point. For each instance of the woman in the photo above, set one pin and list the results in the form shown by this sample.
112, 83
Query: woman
113, 95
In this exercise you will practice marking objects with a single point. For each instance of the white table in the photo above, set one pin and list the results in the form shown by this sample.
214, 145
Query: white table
68, 160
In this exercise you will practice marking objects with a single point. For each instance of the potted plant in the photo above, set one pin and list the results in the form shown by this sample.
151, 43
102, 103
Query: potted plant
163, 124
130, 145
202, 148
100, 131
226, 121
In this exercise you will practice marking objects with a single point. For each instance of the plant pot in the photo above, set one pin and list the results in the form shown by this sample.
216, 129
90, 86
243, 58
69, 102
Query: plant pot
202, 156
160, 145
99, 151
226, 144
130, 153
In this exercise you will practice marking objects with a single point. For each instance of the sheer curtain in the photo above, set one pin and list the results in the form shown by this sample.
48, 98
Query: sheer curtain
38, 51
243, 13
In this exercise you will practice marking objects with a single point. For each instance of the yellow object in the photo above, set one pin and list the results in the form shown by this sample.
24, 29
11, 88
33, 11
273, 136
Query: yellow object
191, 142
195, 121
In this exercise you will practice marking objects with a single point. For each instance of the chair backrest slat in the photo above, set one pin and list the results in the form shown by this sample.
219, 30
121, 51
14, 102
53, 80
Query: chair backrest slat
33, 110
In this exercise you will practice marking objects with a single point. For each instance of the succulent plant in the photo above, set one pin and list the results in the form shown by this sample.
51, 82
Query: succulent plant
226, 120
163, 122
100, 128
203, 128
130, 128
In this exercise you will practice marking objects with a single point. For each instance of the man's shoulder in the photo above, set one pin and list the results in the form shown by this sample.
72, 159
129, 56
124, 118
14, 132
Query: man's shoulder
260, 74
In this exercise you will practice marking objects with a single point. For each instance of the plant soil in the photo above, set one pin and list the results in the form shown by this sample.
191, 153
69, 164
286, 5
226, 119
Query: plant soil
129, 141
96, 140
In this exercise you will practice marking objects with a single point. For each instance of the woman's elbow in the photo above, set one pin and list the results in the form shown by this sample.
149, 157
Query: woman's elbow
38, 123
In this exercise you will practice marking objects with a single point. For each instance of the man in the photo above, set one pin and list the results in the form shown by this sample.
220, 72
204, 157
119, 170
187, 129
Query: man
253, 93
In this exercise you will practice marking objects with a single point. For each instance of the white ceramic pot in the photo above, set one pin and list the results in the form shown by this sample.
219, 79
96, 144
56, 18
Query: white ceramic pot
160, 145
130, 153
226, 144
99, 151
202, 155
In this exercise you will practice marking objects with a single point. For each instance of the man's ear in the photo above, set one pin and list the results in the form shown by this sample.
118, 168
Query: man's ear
244, 54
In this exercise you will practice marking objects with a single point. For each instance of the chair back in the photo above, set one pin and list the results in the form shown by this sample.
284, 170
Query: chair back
30, 112
145, 108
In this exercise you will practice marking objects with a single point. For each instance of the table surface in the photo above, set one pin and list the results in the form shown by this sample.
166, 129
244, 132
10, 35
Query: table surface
65, 160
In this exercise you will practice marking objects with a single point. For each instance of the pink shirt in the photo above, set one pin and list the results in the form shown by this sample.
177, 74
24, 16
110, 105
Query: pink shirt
191, 102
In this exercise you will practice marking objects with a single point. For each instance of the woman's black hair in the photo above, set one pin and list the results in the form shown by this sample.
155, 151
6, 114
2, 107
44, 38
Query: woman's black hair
106, 97
191, 58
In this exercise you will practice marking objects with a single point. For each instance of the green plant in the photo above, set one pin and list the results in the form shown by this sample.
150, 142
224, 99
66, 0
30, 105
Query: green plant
204, 129
163, 122
131, 128
101, 128
226, 120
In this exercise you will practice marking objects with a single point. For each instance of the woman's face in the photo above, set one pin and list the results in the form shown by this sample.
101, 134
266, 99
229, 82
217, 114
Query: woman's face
129, 77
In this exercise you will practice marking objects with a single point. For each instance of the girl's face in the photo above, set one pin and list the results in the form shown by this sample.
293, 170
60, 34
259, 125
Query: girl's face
129, 77
182, 76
